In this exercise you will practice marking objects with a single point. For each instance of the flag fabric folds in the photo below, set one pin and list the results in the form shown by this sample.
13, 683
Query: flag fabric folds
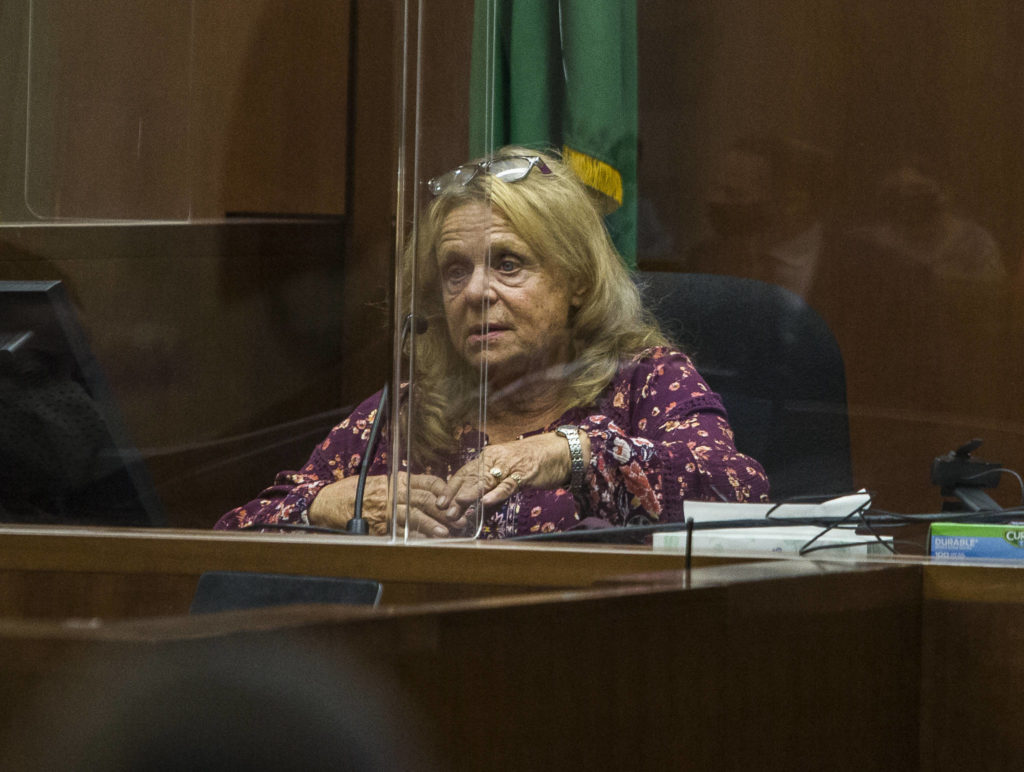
562, 74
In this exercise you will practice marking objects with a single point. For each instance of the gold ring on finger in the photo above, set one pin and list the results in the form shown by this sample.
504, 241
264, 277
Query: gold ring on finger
517, 479
496, 472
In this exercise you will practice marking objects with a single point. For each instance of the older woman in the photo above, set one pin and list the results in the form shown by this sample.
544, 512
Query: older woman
589, 411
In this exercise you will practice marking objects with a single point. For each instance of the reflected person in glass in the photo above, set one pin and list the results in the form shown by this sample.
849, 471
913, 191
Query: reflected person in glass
591, 413
916, 224
767, 206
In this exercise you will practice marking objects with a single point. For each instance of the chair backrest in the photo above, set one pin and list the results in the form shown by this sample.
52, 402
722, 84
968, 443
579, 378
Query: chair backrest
777, 367
229, 590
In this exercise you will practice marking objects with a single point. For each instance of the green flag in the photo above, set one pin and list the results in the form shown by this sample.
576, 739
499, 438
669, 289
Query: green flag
562, 74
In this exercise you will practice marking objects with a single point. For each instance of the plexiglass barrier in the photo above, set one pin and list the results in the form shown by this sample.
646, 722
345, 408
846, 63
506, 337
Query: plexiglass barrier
841, 260
108, 110
172, 246
517, 261
823, 205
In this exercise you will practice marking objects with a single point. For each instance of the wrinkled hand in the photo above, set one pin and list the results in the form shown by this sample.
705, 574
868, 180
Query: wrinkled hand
539, 462
334, 505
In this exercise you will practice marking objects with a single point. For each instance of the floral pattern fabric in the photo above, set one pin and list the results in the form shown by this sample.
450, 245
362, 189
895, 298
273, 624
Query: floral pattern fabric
658, 436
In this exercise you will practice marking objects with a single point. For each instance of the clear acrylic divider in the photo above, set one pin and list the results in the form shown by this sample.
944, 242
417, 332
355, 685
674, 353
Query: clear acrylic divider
441, 414
107, 121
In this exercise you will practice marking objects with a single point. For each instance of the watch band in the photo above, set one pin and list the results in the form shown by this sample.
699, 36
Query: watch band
572, 436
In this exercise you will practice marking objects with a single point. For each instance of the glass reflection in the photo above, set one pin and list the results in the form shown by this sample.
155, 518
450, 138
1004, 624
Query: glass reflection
859, 156
107, 116
865, 159
180, 169
64, 456
543, 395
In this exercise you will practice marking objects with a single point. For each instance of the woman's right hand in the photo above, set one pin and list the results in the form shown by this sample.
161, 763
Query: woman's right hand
335, 503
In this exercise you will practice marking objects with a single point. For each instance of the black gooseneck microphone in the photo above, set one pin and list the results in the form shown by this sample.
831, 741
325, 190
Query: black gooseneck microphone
358, 524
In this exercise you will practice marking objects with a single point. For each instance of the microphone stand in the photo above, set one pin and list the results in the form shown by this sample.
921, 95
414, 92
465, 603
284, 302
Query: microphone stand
358, 525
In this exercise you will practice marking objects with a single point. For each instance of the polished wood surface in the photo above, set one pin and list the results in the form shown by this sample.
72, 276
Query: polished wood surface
112, 573
719, 668
143, 110
972, 662
568, 656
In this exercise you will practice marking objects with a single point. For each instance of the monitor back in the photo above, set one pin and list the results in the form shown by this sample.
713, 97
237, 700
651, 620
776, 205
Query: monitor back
65, 456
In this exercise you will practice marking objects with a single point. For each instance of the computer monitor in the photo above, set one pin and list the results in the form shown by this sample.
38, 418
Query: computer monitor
65, 456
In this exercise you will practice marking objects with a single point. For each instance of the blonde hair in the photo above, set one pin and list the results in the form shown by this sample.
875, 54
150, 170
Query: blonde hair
556, 215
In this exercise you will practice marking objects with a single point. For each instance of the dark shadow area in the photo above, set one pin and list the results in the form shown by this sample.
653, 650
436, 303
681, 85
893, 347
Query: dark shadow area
777, 368
237, 702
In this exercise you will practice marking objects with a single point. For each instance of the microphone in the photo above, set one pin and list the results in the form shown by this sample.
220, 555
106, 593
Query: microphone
358, 525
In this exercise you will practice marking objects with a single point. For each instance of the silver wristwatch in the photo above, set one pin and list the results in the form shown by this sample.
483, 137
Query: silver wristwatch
572, 436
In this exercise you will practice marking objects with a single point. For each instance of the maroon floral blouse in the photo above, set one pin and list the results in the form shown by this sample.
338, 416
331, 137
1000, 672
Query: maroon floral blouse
658, 435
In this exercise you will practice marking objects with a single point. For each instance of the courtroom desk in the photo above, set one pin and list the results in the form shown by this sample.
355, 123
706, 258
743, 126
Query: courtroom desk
58, 572
756, 665
972, 666
518, 655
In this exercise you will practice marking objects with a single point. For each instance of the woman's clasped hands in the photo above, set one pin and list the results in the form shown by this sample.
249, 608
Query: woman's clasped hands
430, 506
418, 494
540, 461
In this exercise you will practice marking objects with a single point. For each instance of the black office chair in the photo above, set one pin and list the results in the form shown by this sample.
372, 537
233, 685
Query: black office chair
229, 590
775, 364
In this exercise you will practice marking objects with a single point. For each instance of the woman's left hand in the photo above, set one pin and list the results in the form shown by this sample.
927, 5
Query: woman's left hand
541, 461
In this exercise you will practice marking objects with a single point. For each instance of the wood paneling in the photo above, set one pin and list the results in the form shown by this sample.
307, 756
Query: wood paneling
171, 111
111, 573
930, 362
755, 664
972, 657
873, 664
222, 343
270, 106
